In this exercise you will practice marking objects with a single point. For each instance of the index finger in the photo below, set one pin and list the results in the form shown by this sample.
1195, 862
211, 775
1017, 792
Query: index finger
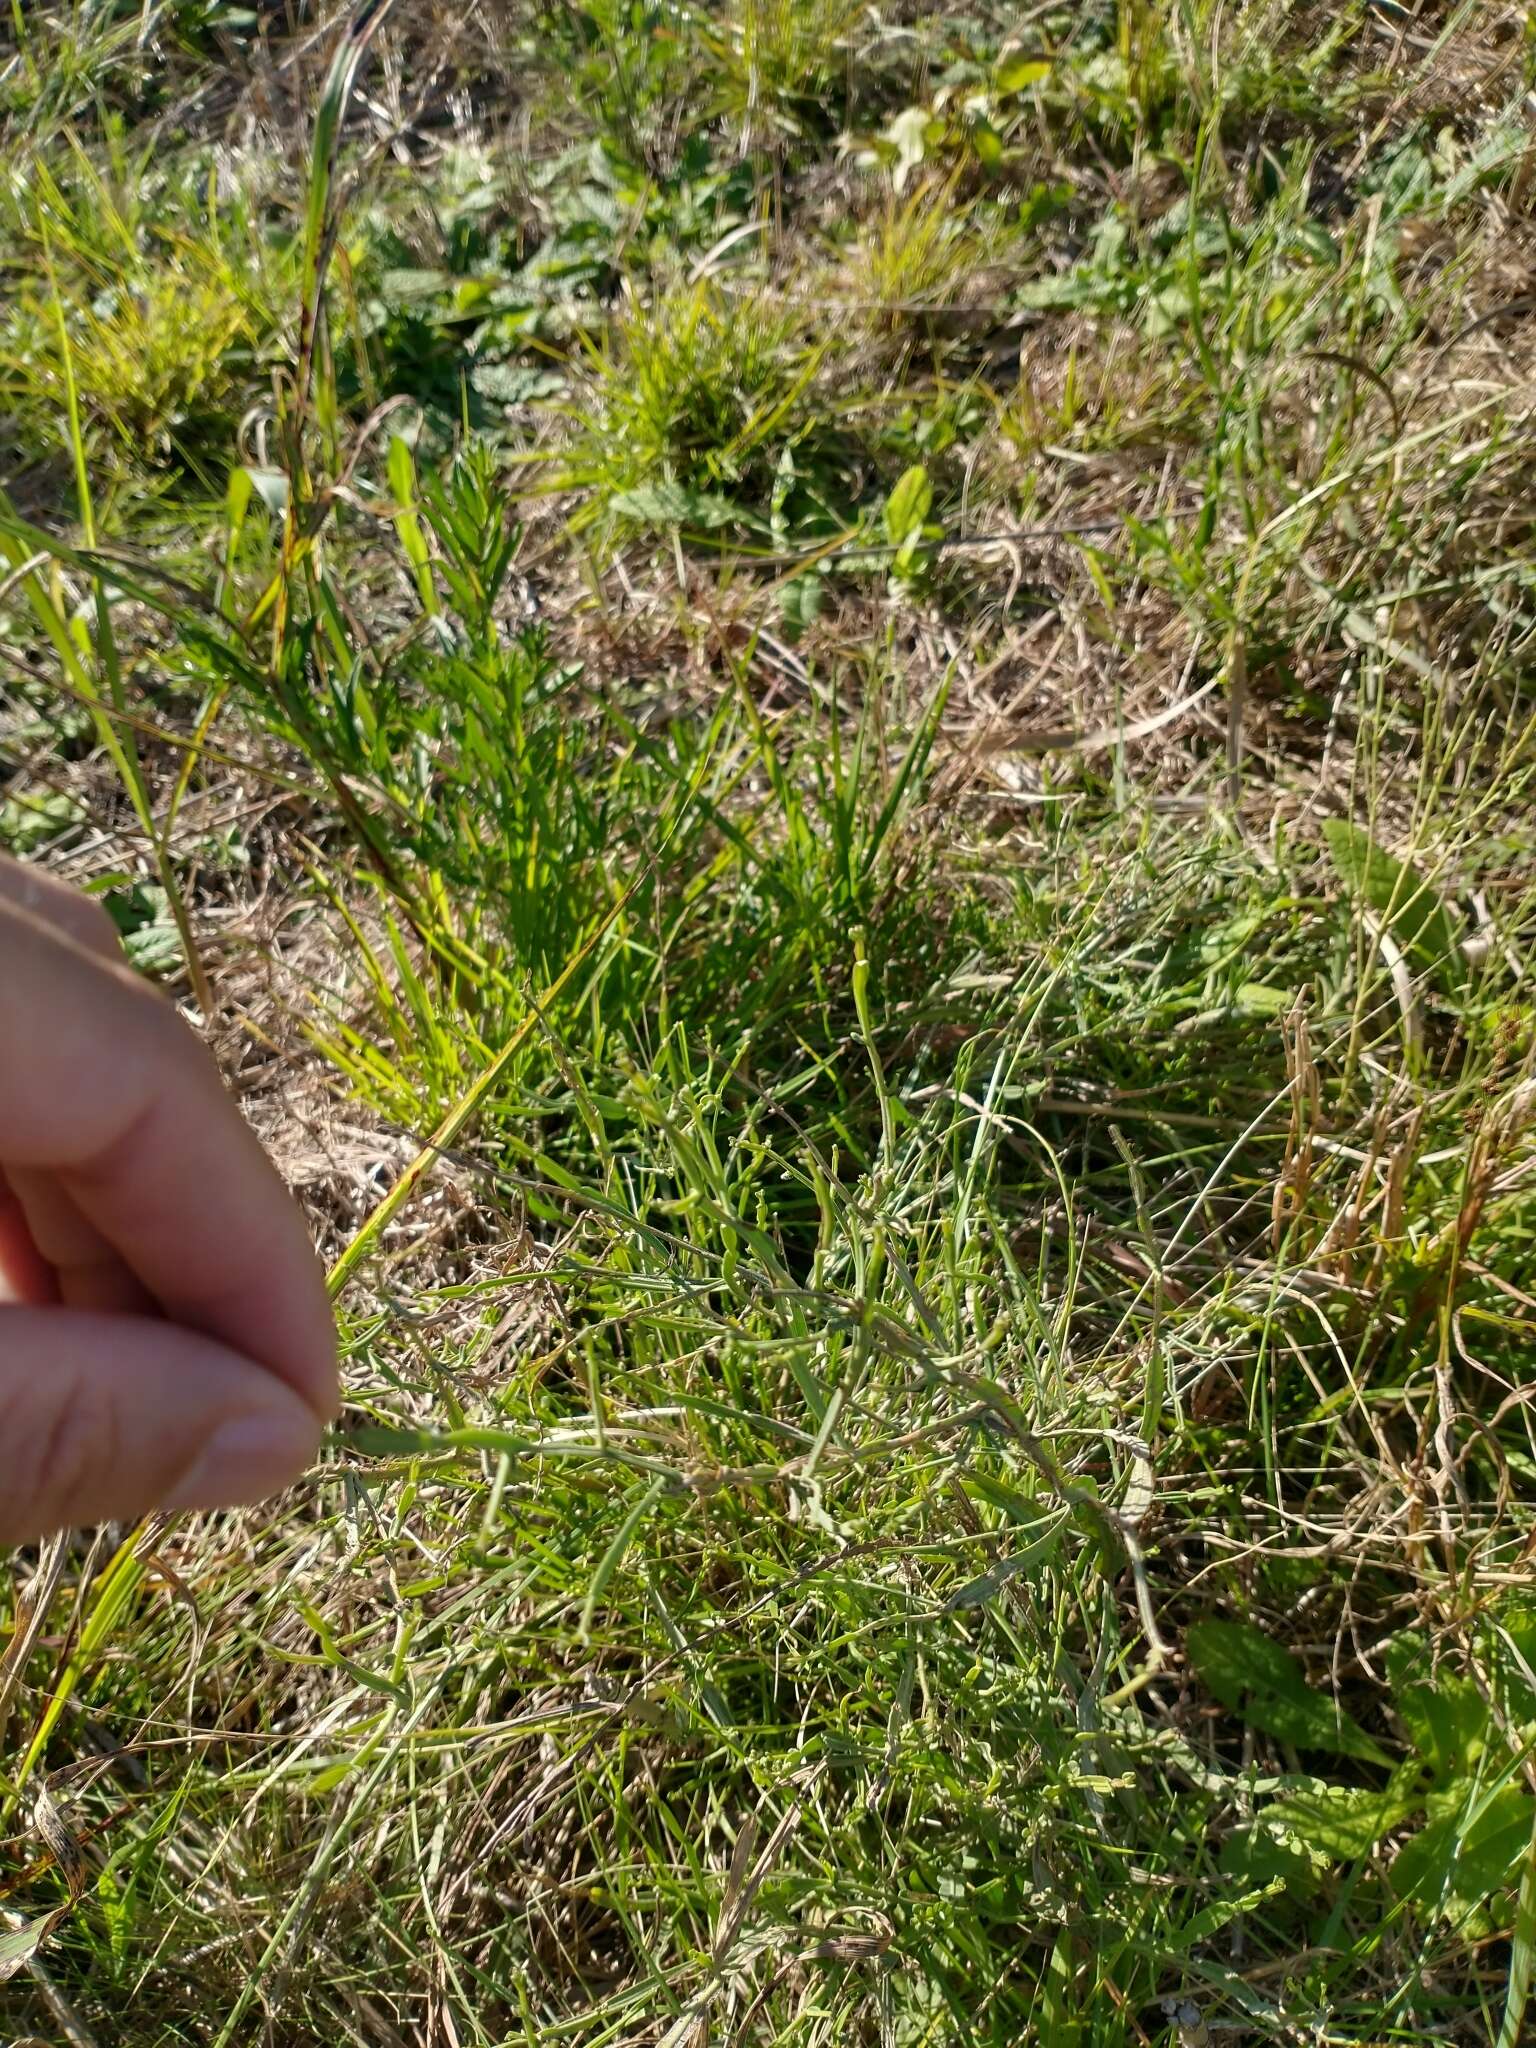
25, 886
104, 1087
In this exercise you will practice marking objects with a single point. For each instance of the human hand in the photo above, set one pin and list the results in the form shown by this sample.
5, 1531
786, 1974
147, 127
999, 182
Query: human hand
165, 1338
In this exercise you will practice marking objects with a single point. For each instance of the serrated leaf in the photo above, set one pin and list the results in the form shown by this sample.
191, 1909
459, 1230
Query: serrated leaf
1413, 910
907, 506
667, 504
1264, 1685
1252, 1856
1343, 1821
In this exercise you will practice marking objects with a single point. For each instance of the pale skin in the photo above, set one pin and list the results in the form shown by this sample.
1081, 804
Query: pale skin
165, 1336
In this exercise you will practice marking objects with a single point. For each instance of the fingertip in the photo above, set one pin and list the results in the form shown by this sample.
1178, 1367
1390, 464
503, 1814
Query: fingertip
250, 1456
83, 920
106, 1417
308, 1356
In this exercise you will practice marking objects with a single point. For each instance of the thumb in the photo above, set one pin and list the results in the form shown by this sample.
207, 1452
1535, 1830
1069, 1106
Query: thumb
103, 1418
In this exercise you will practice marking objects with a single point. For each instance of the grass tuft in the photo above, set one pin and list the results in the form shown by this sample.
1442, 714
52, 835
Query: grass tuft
829, 711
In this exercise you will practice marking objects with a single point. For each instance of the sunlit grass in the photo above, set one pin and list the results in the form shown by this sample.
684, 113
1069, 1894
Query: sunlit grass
923, 1126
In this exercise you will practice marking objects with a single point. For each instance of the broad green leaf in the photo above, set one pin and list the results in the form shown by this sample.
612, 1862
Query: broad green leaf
1018, 74
667, 504
473, 296
907, 506
402, 471
800, 603
115, 1914
1260, 999
1343, 1821
1265, 1686
142, 914
910, 135
1522, 1958
1253, 1857
515, 383
1413, 910
155, 949
270, 485
1076, 287
30, 821
1513, 1648
1467, 1853
237, 496
986, 142
1042, 204
1447, 1723
1018, 1507
1060, 2009
411, 287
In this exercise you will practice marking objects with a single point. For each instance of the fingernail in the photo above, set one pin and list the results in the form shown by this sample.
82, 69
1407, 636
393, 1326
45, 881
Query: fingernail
247, 1458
